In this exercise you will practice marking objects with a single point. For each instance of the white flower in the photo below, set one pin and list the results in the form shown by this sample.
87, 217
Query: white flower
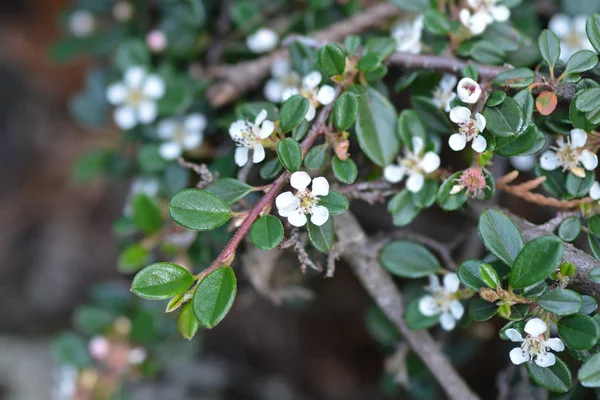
156, 41
444, 92
534, 345
482, 13
416, 164
468, 90
136, 97
468, 130
248, 135
295, 207
407, 33
570, 154
311, 91
262, 40
99, 347
595, 191
523, 163
137, 356
180, 134
571, 32
81, 23
283, 78
443, 300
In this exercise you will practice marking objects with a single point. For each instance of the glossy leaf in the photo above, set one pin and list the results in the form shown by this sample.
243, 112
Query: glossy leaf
345, 110
569, 229
447, 201
536, 261
293, 112
290, 154
332, 59
335, 202
556, 378
214, 296
161, 281
408, 259
266, 232
549, 46
546, 103
403, 208
229, 190
198, 210
579, 332
515, 78
345, 171
581, 61
500, 235
589, 373
187, 323
506, 119
561, 302
321, 237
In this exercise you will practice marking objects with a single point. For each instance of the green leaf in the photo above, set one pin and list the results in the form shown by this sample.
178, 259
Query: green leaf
589, 304
580, 187
271, 169
561, 302
578, 118
426, 196
587, 100
187, 323
403, 208
496, 98
538, 259
595, 274
345, 171
176, 99
487, 53
594, 225
380, 327
549, 46
351, 43
417, 321
415, 6
149, 159
434, 117
447, 201
199, 210
589, 373
266, 232
376, 128
579, 331
146, 214
468, 274
290, 154
332, 59
335, 202
556, 378
369, 62
315, 158
481, 310
569, 229
506, 119
130, 53
70, 348
161, 280
581, 61
594, 242
410, 126
321, 237
592, 28
408, 259
132, 258
293, 112
436, 22
92, 320
531, 141
229, 190
500, 235
384, 46
515, 78
488, 275
301, 130
345, 111
525, 99
214, 296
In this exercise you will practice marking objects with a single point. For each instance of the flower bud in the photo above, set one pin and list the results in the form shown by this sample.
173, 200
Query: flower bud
488, 294
156, 41
468, 90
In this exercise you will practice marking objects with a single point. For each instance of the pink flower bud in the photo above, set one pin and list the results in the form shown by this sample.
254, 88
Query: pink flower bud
156, 41
99, 347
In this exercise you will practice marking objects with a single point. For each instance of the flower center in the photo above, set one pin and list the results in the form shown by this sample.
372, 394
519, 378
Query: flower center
470, 89
248, 138
469, 129
533, 346
135, 97
290, 80
307, 201
443, 299
568, 155
573, 40
411, 161
311, 96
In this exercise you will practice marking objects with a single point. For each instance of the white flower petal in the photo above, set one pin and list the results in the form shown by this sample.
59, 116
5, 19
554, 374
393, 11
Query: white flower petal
514, 335
116, 93
434, 282
170, 150
457, 309
535, 327
166, 129
545, 360
312, 111
300, 180
320, 186
241, 156
595, 191
447, 82
430, 162
447, 321
451, 282
297, 218
289, 92
134, 76
417, 145
480, 122
195, 122
312, 80
319, 215
518, 356
154, 87
427, 306
237, 128
191, 140
588, 159
479, 144
465, 17
258, 153
549, 161
280, 67
415, 181
266, 129
560, 24
523, 163
262, 40
579, 25
468, 90
262, 115
500, 13
578, 138
457, 141
273, 91
147, 111
326, 94
460, 114
286, 200
125, 117
99, 347
394, 173
555, 344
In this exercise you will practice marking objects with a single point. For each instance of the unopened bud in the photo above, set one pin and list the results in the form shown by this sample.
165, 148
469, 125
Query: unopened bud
341, 149
567, 269
504, 310
488, 294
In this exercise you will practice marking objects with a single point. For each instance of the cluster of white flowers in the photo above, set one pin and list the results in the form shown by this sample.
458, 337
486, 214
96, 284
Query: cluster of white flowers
283, 79
571, 32
180, 134
535, 346
416, 164
443, 301
262, 41
570, 155
81, 23
316, 96
295, 207
248, 136
407, 33
469, 130
481, 13
136, 97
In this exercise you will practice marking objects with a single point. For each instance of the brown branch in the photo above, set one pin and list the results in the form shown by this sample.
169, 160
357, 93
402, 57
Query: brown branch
362, 257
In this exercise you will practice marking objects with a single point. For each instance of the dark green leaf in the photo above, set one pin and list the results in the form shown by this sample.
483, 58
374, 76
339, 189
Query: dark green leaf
271, 169
538, 259
345, 171
436, 22
447, 201
335, 202
487, 53
506, 119
315, 158
214, 296
290, 154
332, 59
481, 310
229, 190
408, 259
410, 126
579, 332
500, 235
369, 62
198, 210
426, 196
549, 46
161, 281
592, 28
468, 274
589, 373
146, 214
403, 208
531, 141
580, 187
496, 98
293, 112
515, 78
266, 232
581, 61
556, 378
321, 237
569, 229
345, 111
561, 302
